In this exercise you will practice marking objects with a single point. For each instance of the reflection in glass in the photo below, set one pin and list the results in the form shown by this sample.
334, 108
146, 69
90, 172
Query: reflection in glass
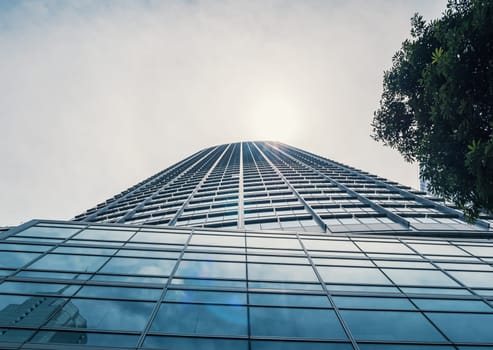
83, 263
107, 235
352, 275
462, 327
390, 325
96, 339
274, 272
211, 269
44, 232
35, 312
107, 314
15, 259
210, 297
139, 266
289, 345
201, 319
114, 292
295, 323
184, 343
420, 277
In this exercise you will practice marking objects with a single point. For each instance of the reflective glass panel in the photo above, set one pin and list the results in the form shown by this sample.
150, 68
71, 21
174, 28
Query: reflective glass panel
103, 315
390, 325
106, 235
56, 232
197, 296
420, 277
139, 266
83, 263
184, 343
352, 275
295, 323
119, 292
274, 272
16, 259
462, 327
201, 319
211, 269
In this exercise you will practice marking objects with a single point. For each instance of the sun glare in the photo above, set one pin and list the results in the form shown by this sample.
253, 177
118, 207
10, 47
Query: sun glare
275, 117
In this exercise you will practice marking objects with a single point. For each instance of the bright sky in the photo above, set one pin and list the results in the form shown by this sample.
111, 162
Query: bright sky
95, 96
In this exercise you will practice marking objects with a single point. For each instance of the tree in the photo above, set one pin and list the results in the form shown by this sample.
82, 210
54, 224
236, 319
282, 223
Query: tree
437, 103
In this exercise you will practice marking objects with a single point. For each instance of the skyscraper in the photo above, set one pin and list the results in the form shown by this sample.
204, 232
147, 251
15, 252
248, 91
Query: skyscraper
253, 245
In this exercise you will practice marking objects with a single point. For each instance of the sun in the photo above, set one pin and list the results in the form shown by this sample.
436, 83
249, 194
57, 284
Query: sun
275, 116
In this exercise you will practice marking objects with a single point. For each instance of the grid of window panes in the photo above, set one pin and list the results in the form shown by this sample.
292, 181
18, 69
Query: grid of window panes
266, 185
148, 287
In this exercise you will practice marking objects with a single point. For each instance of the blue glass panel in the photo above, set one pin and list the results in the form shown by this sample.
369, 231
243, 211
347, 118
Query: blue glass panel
184, 343
28, 311
373, 303
45, 232
131, 279
474, 278
80, 337
420, 277
390, 325
289, 300
295, 323
154, 237
82, 263
197, 296
104, 315
404, 347
201, 319
452, 305
55, 275
16, 259
119, 292
26, 287
107, 235
298, 345
85, 250
341, 274
461, 327
211, 269
274, 272
25, 247
139, 266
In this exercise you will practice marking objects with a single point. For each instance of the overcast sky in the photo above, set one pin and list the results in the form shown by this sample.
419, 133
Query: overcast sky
98, 95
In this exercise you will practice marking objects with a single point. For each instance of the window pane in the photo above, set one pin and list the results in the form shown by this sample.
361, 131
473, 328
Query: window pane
107, 235
154, 237
139, 266
16, 259
211, 269
196, 296
96, 339
267, 242
289, 300
464, 327
291, 345
104, 315
119, 292
452, 305
473, 278
201, 319
184, 343
222, 240
82, 263
390, 325
295, 323
273, 272
373, 303
42, 232
352, 275
420, 277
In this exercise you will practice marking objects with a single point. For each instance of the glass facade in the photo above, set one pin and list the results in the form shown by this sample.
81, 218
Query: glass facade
251, 246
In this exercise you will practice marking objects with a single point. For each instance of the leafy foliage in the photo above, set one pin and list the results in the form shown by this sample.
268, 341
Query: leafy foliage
437, 103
